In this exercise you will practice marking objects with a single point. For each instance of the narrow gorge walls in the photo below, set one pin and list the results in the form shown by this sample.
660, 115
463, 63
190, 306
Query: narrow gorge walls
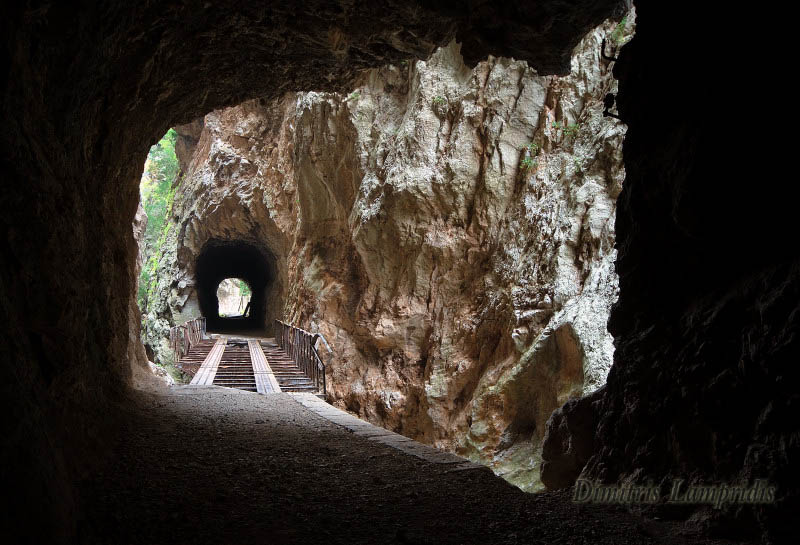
449, 230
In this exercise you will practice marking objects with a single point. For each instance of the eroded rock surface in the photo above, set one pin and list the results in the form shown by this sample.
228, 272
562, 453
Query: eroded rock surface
449, 230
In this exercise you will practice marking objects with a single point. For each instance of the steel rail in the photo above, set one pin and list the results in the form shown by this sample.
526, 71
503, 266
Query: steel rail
183, 337
299, 345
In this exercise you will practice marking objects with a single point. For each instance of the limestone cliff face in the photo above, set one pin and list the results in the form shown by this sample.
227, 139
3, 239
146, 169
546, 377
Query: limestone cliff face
449, 230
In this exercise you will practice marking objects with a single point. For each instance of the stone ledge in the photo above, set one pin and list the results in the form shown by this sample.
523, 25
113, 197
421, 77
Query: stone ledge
376, 434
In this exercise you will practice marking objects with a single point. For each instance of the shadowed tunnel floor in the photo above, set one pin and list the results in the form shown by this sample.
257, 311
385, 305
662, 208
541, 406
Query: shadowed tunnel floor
230, 467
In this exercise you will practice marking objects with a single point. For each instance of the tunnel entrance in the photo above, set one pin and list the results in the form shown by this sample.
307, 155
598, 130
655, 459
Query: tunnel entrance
233, 296
226, 269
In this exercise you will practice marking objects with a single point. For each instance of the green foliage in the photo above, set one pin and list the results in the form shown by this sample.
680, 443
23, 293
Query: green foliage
556, 125
618, 35
149, 275
571, 130
144, 283
161, 169
439, 100
355, 95
157, 190
578, 164
530, 151
529, 163
244, 289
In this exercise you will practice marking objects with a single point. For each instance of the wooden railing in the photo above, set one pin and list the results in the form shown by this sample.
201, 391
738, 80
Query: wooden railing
299, 345
183, 337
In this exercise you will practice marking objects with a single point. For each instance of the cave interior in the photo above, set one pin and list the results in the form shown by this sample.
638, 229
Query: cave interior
705, 377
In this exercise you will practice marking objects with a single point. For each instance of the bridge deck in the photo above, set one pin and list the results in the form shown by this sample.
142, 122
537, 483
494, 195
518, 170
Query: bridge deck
208, 369
252, 364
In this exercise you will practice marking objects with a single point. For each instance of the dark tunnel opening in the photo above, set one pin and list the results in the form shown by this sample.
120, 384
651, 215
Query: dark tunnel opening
689, 345
255, 265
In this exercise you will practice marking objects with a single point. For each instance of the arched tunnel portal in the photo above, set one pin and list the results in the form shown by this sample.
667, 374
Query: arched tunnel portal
87, 91
253, 263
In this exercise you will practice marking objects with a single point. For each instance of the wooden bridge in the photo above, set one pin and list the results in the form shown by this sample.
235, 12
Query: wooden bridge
292, 364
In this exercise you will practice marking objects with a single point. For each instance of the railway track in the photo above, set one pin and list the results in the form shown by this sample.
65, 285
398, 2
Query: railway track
253, 366
235, 369
191, 362
290, 377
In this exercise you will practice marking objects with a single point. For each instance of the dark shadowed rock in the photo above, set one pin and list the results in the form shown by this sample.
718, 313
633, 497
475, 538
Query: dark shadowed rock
706, 327
569, 440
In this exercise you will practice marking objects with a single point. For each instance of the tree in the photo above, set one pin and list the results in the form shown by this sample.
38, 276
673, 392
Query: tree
244, 289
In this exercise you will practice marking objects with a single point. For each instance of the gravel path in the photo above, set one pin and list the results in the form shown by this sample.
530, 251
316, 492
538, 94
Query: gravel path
229, 467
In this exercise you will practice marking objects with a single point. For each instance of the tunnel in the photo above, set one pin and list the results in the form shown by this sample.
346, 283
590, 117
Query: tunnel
705, 373
255, 265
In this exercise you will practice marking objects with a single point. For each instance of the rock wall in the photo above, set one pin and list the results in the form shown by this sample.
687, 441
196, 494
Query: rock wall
449, 230
704, 382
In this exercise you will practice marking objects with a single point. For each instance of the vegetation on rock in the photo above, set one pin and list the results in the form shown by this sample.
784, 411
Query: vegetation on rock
621, 34
157, 190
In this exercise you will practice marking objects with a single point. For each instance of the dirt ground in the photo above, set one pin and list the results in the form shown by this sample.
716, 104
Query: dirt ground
225, 467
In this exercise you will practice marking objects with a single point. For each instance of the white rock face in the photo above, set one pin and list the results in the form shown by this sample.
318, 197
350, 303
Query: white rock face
161, 374
449, 230
232, 302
